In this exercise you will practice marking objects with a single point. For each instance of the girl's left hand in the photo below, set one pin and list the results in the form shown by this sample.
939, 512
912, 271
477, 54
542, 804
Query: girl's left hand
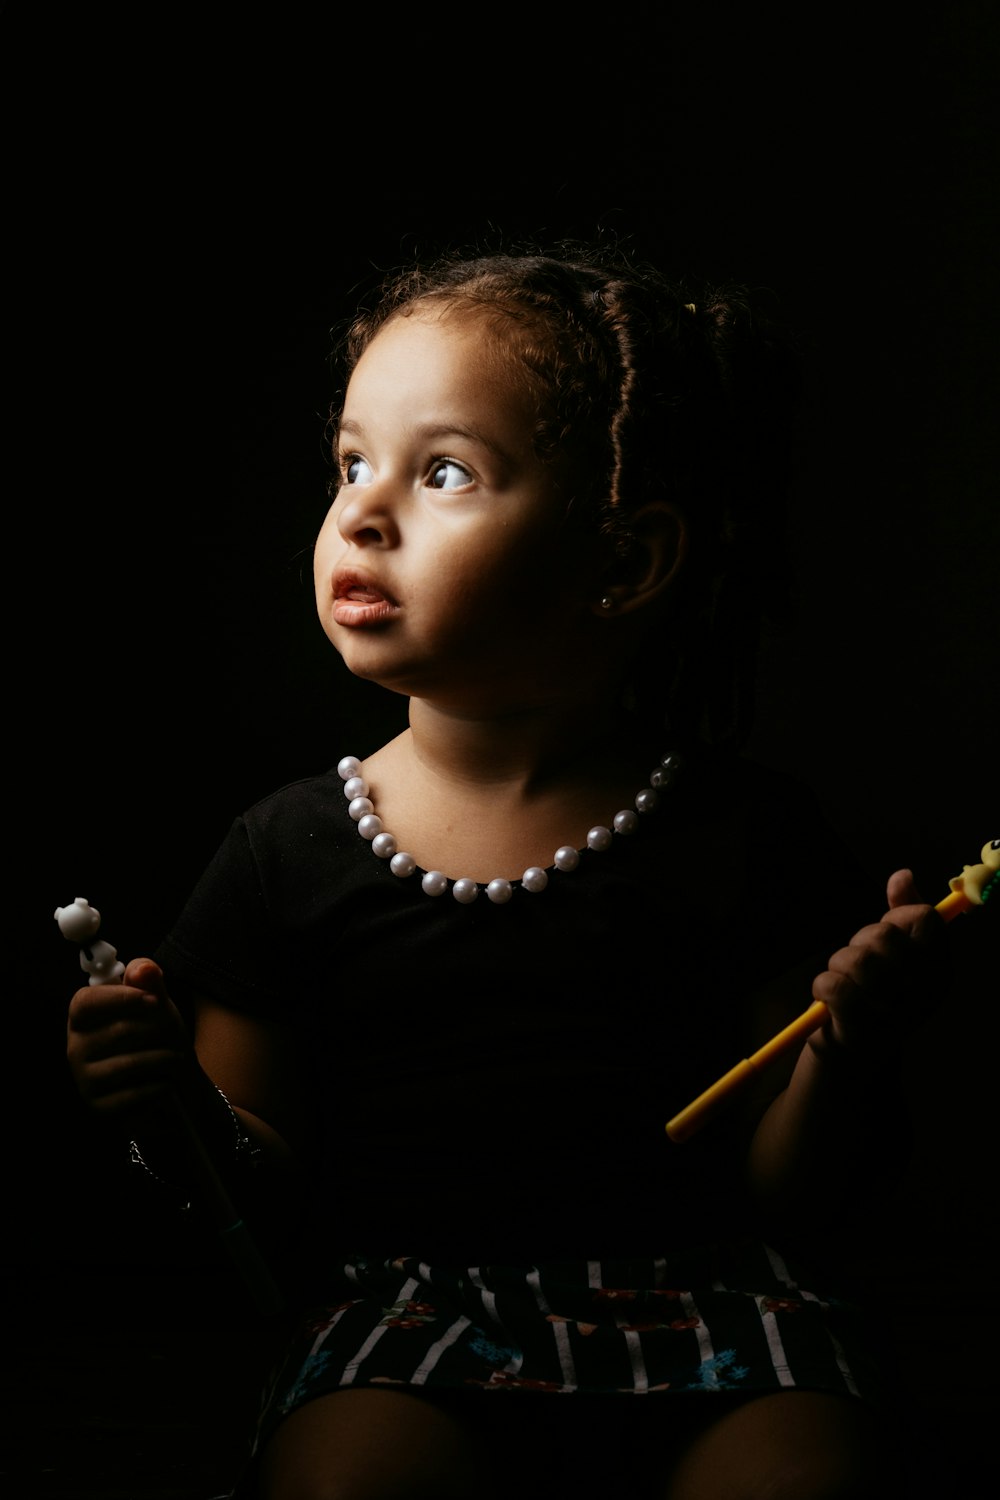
890, 972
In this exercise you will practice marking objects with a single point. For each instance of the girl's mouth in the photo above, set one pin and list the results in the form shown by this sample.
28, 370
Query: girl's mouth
358, 601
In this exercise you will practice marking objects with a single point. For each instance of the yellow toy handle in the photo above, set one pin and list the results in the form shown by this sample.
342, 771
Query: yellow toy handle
691, 1119
697, 1112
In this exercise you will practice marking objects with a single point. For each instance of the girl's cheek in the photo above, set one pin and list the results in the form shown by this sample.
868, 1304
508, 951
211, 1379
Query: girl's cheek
321, 553
328, 531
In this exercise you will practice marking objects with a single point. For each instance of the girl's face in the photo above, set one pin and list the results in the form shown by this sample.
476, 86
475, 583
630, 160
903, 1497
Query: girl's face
446, 568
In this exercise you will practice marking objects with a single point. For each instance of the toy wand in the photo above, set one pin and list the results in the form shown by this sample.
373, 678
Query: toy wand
80, 923
975, 884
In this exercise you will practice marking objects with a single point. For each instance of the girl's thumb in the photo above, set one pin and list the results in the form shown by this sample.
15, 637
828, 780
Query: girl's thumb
144, 974
902, 890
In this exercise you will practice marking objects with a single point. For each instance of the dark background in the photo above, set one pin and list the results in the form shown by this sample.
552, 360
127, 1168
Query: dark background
193, 205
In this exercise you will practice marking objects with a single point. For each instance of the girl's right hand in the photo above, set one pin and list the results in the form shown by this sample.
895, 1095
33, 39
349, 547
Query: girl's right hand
127, 1043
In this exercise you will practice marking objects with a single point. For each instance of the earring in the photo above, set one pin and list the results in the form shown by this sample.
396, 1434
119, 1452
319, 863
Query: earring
607, 603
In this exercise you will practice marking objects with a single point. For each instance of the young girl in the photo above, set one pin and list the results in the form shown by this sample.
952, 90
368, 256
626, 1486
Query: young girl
431, 1011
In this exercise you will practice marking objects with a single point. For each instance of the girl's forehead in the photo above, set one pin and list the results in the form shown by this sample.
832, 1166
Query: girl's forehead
429, 346
446, 323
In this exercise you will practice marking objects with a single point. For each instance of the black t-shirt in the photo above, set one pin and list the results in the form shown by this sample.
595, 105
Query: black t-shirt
487, 1078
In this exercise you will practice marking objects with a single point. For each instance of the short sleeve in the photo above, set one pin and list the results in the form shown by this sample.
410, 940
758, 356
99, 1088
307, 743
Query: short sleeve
222, 945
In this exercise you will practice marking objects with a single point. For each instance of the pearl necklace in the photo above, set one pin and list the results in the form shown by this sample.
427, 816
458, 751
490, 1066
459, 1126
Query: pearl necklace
434, 883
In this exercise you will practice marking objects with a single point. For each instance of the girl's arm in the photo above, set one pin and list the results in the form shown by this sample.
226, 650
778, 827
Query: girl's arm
836, 1132
253, 1063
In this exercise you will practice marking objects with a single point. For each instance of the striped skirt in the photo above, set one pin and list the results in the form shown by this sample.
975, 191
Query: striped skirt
735, 1320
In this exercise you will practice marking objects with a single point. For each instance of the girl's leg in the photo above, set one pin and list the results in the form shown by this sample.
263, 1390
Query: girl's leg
371, 1444
793, 1445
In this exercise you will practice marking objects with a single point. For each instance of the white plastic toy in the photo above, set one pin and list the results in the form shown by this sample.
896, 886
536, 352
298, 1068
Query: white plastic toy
80, 923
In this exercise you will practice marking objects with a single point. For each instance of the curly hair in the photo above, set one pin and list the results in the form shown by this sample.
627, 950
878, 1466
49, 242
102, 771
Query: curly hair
651, 389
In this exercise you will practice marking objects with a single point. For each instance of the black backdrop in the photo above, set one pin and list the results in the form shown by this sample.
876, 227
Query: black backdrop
191, 212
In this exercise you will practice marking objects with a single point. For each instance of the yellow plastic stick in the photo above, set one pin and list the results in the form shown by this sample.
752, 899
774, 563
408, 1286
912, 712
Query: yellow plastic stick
966, 890
698, 1111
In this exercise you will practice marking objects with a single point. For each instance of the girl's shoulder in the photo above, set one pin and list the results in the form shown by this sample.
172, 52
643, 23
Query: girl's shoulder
770, 810
303, 795
772, 839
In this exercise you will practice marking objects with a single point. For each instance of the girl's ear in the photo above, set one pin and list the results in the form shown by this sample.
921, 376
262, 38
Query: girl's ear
648, 562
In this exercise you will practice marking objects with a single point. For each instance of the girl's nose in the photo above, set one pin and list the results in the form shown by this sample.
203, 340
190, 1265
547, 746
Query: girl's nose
367, 517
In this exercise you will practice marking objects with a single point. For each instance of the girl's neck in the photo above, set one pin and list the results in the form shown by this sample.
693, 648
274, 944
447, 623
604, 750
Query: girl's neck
526, 749
490, 797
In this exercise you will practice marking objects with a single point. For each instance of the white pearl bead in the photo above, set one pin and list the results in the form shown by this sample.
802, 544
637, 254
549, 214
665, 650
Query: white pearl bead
434, 883
402, 865
359, 807
672, 762
646, 800
664, 776
349, 766
465, 890
370, 825
499, 891
566, 858
356, 786
626, 821
599, 838
384, 845
534, 878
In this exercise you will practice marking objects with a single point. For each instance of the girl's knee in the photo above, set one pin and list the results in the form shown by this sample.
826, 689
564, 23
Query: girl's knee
373, 1445
798, 1445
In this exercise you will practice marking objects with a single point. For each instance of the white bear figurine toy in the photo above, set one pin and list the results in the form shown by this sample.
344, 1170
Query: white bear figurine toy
80, 923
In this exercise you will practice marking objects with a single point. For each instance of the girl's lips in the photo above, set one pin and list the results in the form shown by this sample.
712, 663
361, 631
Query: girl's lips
360, 601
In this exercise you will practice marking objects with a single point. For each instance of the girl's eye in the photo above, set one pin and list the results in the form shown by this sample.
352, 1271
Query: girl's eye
356, 471
448, 475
